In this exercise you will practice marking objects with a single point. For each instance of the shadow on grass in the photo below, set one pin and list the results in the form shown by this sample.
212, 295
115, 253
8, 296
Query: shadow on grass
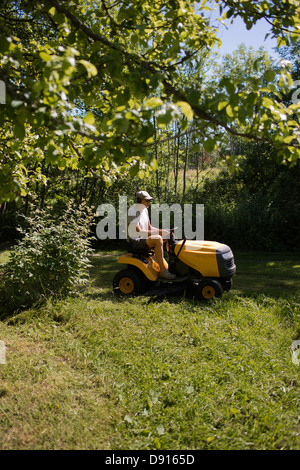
105, 266
103, 269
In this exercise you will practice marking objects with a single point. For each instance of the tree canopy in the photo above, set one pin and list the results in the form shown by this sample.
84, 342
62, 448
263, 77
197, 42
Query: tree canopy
84, 79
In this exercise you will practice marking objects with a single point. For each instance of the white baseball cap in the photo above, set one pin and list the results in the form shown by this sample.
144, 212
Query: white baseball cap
143, 195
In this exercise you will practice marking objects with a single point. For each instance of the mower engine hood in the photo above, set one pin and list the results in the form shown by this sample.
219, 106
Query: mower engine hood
211, 259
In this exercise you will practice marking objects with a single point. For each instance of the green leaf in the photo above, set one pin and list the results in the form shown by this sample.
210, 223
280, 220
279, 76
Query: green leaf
222, 105
157, 443
121, 123
153, 102
89, 118
4, 44
19, 130
252, 98
59, 18
230, 87
267, 102
45, 56
90, 68
209, 145
229, 111
134, 169
269, 75
194, 97
186, 109
71, 38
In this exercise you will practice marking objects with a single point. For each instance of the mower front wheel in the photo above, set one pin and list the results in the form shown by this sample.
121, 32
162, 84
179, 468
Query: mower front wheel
207, 289
127, 282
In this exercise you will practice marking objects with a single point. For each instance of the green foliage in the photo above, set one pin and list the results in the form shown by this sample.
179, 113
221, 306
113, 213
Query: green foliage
81, 78
51, 259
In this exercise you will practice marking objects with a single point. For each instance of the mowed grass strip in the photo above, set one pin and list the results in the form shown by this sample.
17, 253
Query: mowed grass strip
97, 372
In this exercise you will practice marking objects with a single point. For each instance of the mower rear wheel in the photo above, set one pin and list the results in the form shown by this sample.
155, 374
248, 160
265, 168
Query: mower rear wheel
127, 282
207, 289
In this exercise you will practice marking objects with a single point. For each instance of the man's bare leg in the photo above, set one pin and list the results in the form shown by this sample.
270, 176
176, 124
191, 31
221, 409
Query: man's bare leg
156, 242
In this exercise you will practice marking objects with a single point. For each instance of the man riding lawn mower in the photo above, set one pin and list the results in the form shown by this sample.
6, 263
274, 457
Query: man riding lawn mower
203, 269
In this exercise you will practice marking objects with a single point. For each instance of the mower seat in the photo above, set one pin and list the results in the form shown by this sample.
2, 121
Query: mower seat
139, 251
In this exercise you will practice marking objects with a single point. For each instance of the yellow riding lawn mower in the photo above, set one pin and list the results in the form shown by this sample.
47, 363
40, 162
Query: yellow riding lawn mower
204, 269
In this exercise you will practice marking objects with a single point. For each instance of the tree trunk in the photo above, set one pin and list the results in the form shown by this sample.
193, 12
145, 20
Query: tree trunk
185, 166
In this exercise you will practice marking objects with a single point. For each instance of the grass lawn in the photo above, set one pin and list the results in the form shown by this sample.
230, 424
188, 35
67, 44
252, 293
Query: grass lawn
98, 372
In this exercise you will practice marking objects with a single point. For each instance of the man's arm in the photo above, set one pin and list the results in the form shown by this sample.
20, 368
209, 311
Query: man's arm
143, 233
158, 231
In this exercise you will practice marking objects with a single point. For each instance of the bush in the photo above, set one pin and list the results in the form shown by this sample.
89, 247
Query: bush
51, 259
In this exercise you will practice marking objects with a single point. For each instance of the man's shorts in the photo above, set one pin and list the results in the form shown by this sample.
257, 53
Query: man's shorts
138, 244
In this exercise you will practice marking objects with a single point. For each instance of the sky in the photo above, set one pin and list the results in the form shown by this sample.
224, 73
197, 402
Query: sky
237, 33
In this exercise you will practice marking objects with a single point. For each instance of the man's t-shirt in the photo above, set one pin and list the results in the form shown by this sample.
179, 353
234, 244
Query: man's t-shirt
138, 214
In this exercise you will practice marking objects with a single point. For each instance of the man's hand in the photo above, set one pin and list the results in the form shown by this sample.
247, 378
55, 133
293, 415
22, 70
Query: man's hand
165, 233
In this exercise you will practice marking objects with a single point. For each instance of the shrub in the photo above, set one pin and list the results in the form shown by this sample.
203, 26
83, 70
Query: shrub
51, 259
